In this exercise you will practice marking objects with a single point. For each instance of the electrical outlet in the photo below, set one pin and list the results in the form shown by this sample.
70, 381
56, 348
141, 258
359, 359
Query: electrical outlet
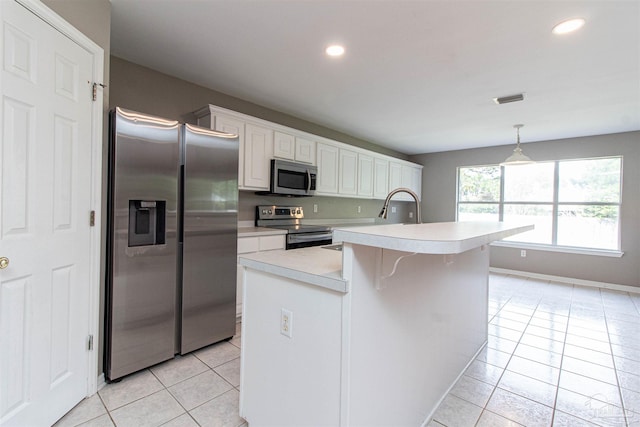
359, 209
315, 208
393, 209
410, 214
523, 253
286, 322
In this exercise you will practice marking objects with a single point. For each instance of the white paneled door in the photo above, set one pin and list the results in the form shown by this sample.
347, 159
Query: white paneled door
45, 201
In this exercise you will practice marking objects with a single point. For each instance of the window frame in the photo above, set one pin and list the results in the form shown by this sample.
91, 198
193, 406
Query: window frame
555, 205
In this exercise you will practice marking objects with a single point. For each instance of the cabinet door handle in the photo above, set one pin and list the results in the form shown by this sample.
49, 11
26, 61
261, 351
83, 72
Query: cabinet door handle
4, 262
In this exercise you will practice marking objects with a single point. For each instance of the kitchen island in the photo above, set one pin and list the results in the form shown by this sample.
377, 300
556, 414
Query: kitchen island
374, 335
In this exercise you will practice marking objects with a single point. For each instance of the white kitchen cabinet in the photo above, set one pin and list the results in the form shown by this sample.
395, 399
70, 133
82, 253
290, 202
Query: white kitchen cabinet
258, 152
251, 244
405, 175
327, 159
380, 178
348, 173
255, 149
395, 177
412, 179
343, 170
284, 146
416, 180
289, 147
305, 151
365, 175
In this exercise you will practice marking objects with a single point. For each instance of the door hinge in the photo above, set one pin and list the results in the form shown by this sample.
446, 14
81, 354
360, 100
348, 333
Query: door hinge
90, 342
92, 219
94, 95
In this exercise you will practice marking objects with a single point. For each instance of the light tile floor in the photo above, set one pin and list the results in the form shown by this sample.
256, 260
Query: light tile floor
558, 355
198, 389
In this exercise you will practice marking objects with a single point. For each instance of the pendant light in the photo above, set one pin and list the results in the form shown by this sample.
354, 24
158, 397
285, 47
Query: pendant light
518, 157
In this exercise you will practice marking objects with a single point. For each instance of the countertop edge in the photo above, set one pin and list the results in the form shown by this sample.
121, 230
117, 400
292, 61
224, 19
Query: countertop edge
452, 246
330, 283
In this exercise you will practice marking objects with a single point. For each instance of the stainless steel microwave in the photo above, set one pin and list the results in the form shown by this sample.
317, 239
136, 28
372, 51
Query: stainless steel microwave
292, 179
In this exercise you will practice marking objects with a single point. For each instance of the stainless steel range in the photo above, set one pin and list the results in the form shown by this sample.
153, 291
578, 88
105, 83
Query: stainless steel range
289, 218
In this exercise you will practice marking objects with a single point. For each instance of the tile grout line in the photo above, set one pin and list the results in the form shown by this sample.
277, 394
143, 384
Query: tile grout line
164, 387
613, 360
564, 344
513, 353
505, 368
557, 386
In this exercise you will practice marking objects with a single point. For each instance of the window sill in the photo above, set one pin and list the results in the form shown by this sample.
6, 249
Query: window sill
561, 249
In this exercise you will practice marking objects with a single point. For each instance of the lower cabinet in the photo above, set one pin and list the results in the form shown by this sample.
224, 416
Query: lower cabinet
251, 244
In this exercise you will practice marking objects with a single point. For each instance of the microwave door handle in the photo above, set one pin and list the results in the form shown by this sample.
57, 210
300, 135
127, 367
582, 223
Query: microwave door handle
308, 181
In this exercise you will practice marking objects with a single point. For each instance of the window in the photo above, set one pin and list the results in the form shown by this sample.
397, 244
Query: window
573, 203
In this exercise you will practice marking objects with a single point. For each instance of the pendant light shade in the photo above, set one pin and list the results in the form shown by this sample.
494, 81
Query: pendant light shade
518, 157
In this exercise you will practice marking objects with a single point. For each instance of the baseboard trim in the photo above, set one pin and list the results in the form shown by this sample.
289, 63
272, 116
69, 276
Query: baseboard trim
101, 381
570, 280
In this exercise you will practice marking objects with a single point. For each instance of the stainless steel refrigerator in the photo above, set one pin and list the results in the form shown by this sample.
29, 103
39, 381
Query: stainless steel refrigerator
171, 240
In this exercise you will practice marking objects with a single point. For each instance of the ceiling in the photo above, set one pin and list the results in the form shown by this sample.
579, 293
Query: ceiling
417, 76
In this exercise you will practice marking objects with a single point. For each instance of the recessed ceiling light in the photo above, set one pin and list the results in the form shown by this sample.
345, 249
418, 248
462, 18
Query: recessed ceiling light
335, 50
568, 26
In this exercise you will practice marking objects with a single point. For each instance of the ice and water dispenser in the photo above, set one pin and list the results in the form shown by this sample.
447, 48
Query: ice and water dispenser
147, 222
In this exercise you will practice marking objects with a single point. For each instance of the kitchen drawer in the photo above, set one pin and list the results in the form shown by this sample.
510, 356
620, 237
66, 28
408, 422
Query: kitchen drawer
260, 243
268, 243
248, 244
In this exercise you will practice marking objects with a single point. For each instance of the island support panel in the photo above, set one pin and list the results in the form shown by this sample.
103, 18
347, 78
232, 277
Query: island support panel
290, 381
384, 353
410, 341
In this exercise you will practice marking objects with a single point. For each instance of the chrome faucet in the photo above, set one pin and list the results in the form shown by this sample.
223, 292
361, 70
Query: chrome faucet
385, 207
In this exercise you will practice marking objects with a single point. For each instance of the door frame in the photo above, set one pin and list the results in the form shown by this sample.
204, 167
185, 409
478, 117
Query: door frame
97, 53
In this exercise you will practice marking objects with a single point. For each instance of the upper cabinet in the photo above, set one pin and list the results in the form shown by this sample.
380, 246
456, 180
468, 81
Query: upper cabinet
255, 149
405, 175
365, 175
343, 170
380, 178
327, 179
284, 146
348, 173
258, 152
290, 147
305, 151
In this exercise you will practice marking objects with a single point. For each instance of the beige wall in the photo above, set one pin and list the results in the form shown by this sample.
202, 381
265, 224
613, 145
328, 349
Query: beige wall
439, 204
93, 19
146, 90
142, 89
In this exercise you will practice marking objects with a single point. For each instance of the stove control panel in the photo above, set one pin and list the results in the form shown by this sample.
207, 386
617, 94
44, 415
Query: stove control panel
279, 212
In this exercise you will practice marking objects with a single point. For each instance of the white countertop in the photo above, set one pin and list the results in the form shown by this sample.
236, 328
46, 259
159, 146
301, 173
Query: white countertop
321, 267
431, 238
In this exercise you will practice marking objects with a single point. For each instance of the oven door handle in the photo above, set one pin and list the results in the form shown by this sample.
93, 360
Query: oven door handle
308, 237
